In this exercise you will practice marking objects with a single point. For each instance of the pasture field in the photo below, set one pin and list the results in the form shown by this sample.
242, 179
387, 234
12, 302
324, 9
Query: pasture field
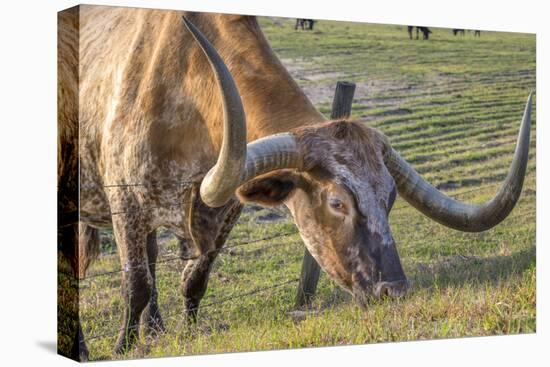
452, 107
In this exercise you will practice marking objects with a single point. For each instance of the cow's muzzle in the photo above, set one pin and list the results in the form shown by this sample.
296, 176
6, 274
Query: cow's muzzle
393, 289
380, 290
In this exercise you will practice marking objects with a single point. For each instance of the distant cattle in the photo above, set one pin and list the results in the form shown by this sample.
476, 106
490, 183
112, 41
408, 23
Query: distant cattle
301, 23
425, 32
456, 31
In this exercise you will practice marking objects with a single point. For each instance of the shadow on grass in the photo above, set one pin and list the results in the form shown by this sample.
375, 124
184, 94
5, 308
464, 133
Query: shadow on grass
335, 297
454, 271
460, 270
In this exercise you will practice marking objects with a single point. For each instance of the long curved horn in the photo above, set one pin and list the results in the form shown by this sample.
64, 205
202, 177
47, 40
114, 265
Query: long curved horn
238, 163
271, 153
219, 184
452, 213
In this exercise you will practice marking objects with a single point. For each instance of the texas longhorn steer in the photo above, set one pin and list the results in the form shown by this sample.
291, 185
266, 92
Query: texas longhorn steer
163, 105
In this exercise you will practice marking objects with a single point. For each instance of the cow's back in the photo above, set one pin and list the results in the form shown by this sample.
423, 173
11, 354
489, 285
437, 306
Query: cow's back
148, 99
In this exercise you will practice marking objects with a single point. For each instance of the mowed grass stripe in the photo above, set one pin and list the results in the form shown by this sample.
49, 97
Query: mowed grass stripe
467, 127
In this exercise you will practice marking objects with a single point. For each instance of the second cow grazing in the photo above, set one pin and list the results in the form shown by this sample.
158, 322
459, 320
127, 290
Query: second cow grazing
164, 104
477, 33
301, 23
425, 32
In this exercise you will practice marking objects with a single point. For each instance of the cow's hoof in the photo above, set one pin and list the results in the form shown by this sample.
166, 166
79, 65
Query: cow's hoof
190, 310
190, 316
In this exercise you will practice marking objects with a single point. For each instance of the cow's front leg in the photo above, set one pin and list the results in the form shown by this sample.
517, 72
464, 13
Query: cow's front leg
151, 318
194, 283
137, 283
209, 229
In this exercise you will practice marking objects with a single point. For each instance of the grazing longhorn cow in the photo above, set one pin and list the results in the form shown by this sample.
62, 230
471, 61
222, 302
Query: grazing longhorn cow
300, 22
457, 31
178, 128
425, 32
477, 33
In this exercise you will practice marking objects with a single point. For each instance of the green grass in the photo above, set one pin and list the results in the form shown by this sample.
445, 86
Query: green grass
452, 107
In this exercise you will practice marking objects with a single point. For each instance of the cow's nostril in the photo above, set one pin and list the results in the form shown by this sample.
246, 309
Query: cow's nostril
391, 289
385, 291
382, 290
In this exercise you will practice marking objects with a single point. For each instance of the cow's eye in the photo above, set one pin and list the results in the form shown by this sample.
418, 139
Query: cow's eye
337, 204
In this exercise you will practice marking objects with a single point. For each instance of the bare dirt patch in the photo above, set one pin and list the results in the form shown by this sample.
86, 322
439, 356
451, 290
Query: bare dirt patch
319, 85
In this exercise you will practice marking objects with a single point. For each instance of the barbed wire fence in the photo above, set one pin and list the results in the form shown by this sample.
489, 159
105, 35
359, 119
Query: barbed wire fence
177, 315
233, 244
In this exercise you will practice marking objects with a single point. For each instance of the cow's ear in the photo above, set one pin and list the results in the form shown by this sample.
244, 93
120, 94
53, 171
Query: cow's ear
268, 190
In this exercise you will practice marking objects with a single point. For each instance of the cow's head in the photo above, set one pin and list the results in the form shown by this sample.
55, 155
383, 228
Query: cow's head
340, 199
339, 179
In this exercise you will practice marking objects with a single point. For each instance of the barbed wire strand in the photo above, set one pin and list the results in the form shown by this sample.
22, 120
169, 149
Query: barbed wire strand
137, 184
519, 215
209, 304
184, 258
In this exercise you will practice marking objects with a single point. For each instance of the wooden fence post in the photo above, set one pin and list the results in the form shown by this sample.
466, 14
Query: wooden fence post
341, 108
